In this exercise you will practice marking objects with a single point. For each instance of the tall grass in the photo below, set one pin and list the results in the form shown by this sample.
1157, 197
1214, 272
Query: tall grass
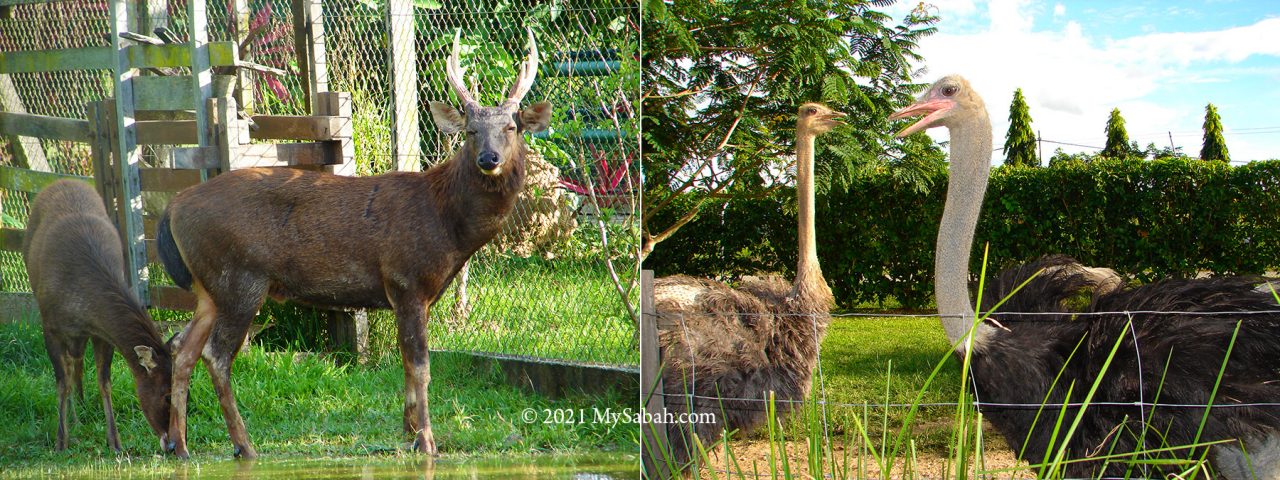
826, 439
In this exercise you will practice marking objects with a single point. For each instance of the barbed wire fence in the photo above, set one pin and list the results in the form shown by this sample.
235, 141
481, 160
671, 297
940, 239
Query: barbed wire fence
560, 283
1144, 401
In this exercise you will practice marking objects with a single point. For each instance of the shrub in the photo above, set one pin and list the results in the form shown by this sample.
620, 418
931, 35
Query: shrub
1150, 219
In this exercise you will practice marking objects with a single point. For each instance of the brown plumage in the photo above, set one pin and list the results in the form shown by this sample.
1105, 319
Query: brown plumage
730, 347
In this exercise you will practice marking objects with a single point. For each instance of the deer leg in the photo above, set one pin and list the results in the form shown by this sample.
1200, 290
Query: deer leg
184, 361
73, 364
228, 336
55, 349
411, 317
102, 352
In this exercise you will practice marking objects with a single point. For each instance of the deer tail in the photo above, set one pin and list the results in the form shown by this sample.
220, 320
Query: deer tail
169, 254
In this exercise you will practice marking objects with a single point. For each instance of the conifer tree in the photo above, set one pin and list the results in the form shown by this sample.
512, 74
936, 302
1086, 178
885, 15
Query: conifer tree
1117, 139
1020, 142
1215, 147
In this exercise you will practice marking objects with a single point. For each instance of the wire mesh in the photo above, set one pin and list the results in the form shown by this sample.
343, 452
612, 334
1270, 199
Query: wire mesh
861, 406
561, 281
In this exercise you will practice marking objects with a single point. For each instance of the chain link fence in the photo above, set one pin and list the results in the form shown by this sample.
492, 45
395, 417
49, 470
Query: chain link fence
560, 282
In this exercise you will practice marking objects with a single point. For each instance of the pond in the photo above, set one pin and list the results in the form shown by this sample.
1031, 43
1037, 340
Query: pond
572, 467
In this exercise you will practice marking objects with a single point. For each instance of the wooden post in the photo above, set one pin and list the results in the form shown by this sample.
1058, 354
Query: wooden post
126, 139
201, 75
653, 435
406, 147
100, 122
244, 80
317, 78
300, 51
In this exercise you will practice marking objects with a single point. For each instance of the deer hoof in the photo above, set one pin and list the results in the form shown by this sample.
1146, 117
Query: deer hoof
245, 453
427, 447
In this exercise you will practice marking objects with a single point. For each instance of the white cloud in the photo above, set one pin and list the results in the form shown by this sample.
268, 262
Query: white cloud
1059, 10
1073, 77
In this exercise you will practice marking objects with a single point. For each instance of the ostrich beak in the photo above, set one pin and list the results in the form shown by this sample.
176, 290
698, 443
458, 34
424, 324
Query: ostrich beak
833, 119
933, 110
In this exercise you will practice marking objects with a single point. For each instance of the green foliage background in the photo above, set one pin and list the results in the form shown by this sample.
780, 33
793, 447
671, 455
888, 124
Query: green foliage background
723, 80
1151, 219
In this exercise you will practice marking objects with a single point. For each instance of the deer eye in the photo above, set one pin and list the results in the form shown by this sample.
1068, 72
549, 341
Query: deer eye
511, 128
811, 111
949, 90
471, 131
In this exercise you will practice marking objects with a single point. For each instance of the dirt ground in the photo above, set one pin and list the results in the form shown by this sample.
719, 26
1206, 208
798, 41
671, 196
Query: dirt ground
752, 460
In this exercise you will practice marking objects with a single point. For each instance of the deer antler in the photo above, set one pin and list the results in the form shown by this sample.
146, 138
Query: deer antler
524, 80
453, 73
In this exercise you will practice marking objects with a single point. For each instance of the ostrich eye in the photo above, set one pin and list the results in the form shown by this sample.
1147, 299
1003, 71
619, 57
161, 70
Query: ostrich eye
949, 90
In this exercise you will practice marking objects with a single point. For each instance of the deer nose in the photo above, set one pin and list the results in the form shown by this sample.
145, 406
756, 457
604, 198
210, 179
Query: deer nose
487, 161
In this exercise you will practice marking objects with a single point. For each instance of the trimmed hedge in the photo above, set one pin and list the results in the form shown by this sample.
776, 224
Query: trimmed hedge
1150, 219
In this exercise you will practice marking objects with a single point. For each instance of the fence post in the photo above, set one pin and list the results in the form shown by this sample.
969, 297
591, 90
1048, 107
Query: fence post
406, 149
126, 140
653, 435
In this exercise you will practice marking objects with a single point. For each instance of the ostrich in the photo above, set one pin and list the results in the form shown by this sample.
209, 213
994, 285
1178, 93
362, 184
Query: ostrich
730, 347
1015, 359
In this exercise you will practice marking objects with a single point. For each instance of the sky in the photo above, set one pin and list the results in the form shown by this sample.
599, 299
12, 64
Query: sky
1159, 62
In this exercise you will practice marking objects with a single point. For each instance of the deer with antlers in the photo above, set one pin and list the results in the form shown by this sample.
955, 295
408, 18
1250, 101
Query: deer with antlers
389, 241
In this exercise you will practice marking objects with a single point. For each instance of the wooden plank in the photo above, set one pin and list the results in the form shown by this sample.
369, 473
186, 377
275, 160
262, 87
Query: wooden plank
174, 92
300, 50
168, 179
200, 62
260, 155
406, 145
653, 435
167, 132
244, 80
338, 104
317, 57
31, 181
283, 127
44, 127
10, 3
100, 151
28, 151
172, 298
11, 239
128, 154
222, 54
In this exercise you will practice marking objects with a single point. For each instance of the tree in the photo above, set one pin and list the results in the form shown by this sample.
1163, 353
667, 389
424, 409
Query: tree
1215, 147
1117, 139
1020, 142
722, 81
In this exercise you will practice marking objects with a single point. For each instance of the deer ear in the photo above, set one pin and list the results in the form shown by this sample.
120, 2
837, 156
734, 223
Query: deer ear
536, 117
447, 118
146, 357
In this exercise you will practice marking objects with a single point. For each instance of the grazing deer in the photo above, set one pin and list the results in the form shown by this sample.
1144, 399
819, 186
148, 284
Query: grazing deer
76, 266
391, 241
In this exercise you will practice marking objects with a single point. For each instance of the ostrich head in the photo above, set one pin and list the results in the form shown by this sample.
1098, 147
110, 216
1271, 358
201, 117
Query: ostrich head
948, 100
817, 118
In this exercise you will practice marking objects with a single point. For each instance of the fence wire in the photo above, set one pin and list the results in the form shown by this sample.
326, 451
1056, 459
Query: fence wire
561, 280
820, 397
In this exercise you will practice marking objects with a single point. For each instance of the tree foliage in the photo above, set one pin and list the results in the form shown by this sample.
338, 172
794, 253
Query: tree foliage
1020, 141
1118, 145
1215, 147
722, 81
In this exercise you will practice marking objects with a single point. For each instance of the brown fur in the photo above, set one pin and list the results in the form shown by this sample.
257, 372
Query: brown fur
731, 348
76, 265
390, 241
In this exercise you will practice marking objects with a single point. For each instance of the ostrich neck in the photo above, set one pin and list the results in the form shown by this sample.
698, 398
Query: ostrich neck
970, 165
809, 282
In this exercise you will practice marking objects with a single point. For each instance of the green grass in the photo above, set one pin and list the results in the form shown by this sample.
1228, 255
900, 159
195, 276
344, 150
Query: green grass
861, 355
293, 405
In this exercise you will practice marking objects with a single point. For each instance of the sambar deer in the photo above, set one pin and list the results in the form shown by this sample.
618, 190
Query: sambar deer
389, 241
75, 262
